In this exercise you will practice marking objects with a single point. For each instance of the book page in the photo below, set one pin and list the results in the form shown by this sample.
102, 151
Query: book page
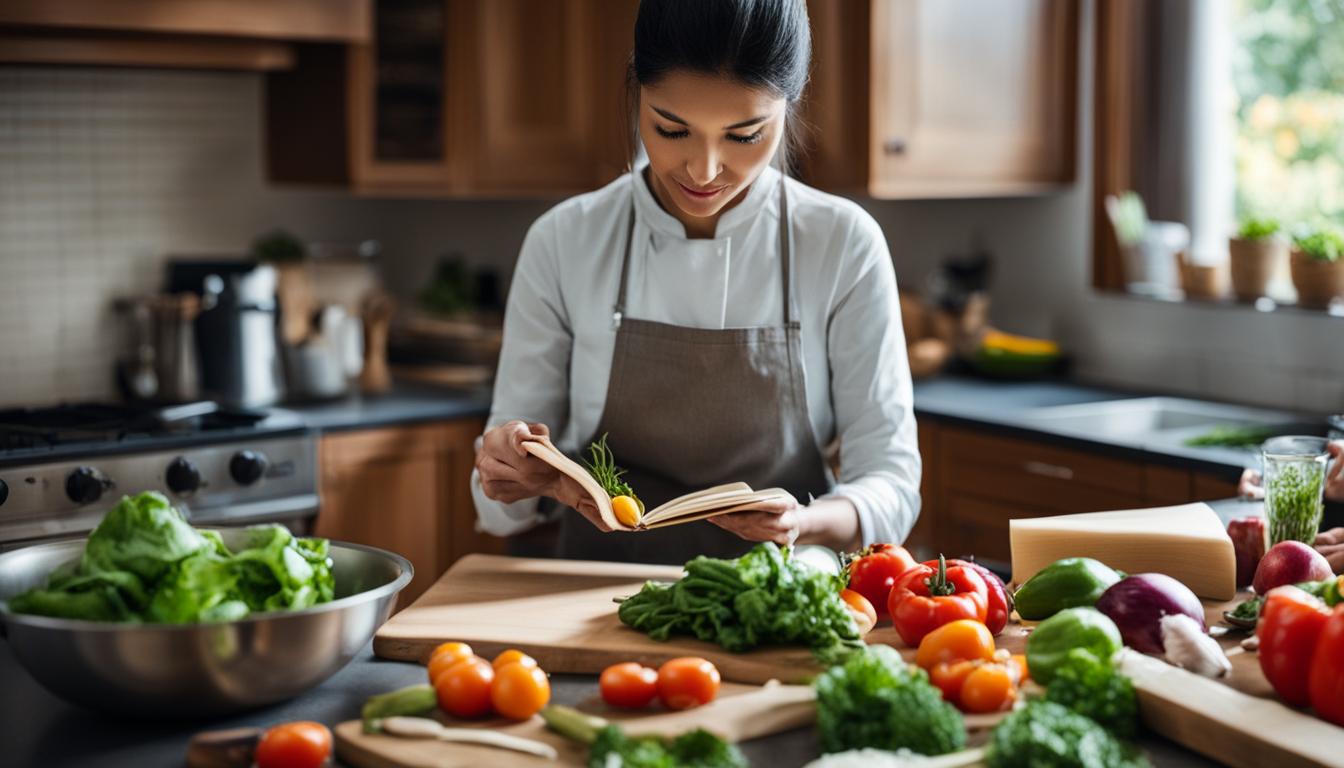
543, 449
715, 501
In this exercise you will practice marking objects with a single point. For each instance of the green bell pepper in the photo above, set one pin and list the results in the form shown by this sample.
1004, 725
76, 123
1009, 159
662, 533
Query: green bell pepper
1077, 630
1067, 583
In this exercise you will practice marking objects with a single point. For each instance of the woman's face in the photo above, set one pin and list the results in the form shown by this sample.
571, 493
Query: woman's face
708, 138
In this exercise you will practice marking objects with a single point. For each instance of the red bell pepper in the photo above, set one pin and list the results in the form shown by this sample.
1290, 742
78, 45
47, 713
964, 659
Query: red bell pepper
1290, 628
932, 594
1326, 685
1000, 603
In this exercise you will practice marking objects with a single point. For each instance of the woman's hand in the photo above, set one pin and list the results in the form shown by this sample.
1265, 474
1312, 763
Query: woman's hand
1331, 544
776, 521
508, 473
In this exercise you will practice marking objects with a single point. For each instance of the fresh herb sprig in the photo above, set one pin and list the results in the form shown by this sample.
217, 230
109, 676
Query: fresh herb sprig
602, 466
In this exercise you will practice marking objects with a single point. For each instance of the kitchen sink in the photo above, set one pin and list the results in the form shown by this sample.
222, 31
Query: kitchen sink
1150, 415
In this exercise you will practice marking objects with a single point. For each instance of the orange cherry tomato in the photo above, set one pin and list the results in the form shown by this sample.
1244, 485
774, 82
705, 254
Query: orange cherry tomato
1018, 663
302, 744
628, 685
513, 655
989, 688
464, 688
688, 681
519, 691
865, 616
960, 640
443, 661
950, 677
626, 510
458, 650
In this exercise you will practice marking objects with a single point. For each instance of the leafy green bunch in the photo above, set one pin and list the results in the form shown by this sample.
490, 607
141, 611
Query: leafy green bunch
1255, 228
145, 563
877, 700
601, 464
1323, 244
764, 597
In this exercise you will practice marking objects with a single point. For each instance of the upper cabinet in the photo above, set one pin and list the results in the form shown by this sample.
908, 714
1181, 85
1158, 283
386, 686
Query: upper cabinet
942, 98
460, 97
197, 34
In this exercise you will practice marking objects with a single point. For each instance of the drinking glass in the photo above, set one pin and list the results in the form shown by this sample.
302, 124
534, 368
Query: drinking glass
1294, 477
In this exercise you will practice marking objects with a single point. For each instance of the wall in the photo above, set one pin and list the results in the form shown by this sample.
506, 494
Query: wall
103, 172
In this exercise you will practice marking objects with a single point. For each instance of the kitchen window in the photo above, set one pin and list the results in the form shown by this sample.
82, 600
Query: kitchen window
1214, 113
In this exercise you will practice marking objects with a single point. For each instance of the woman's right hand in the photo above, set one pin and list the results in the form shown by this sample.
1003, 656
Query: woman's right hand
508, 473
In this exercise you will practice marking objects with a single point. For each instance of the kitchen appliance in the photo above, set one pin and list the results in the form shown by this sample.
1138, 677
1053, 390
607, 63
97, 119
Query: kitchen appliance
160, 364
62, 468
236, 338
199, 670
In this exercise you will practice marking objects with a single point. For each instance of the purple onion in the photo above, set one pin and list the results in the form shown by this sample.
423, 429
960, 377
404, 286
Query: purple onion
1137, 604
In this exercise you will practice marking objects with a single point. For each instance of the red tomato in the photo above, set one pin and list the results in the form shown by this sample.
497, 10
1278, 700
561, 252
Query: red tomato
519, 691
464, 688
302, 744
628, 685
873, 570
862, 610
1290, 627
687, 682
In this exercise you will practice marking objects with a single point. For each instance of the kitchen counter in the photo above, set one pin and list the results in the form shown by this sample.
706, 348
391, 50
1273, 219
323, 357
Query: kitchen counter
38, 729
1008, 408
405, 404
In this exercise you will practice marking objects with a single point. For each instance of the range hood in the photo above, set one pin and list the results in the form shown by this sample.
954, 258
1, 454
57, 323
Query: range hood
175, 34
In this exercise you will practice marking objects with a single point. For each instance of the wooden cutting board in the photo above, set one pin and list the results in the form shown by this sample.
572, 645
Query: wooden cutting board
741, 712
562, 613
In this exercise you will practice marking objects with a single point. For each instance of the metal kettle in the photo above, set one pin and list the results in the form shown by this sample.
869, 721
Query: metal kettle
236, 339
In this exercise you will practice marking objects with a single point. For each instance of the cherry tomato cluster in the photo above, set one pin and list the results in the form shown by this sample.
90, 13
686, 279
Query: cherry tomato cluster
920, 597
468, 686
961, 660
681, 683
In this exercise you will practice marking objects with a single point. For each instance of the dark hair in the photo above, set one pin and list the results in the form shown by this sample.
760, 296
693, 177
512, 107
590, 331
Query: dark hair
761, 43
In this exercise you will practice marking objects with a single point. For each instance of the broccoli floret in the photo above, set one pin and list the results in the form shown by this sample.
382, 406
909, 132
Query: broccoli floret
1044, 734
696, 749
875, 700
1099, 691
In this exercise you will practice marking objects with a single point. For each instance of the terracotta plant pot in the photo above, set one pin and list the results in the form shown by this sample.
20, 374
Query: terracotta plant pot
1317, 282
1203, 281
1253, 263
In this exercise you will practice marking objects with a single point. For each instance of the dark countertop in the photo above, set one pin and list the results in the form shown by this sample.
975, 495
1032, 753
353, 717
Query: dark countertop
1009, 408
405, 404
37, 729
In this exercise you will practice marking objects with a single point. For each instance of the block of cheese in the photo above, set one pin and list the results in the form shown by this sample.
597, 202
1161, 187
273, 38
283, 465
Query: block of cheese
1187, 542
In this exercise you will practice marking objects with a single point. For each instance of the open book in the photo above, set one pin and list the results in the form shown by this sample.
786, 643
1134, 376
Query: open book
719, 500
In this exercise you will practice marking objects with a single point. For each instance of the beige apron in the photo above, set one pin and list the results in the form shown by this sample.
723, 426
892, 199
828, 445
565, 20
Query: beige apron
689, 408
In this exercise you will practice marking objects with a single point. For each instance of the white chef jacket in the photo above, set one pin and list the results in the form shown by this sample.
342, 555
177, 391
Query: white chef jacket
559, 336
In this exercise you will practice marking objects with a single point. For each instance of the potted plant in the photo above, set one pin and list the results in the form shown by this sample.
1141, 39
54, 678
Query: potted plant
1317, 265
1256, 252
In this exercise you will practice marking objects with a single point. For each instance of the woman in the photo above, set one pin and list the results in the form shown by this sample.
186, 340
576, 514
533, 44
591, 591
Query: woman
717, 320
1329, 543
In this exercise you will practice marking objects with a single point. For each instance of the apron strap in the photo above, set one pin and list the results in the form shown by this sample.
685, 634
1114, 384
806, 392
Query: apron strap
785, 251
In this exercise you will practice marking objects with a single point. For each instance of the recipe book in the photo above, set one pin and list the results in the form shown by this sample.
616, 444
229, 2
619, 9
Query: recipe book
719, 500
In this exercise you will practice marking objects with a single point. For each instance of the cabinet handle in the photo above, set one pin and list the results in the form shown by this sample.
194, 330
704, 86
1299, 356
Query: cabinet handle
894, 146
1048, 470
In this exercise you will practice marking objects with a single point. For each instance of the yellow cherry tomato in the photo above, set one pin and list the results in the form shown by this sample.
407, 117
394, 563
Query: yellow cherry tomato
626, 510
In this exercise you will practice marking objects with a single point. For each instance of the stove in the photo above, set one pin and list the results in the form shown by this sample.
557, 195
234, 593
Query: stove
62, 468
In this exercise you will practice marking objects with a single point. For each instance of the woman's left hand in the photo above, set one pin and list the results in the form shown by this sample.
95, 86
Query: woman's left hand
776, 521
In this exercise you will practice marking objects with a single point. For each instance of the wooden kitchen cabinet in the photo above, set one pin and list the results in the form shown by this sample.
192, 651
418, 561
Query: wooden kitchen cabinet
974, 483
460, 97
942, 98
407, 490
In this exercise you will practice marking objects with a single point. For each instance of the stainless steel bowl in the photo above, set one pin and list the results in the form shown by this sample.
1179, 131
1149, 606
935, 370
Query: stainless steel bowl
198, 670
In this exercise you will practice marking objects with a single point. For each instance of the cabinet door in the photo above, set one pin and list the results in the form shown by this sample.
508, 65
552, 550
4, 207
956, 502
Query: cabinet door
458, 460
544, 90
382, 488
972, 97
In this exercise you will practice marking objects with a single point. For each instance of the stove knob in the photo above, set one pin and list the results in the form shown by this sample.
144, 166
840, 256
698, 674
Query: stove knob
85, 485
183, 477
247, 467
4, 492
